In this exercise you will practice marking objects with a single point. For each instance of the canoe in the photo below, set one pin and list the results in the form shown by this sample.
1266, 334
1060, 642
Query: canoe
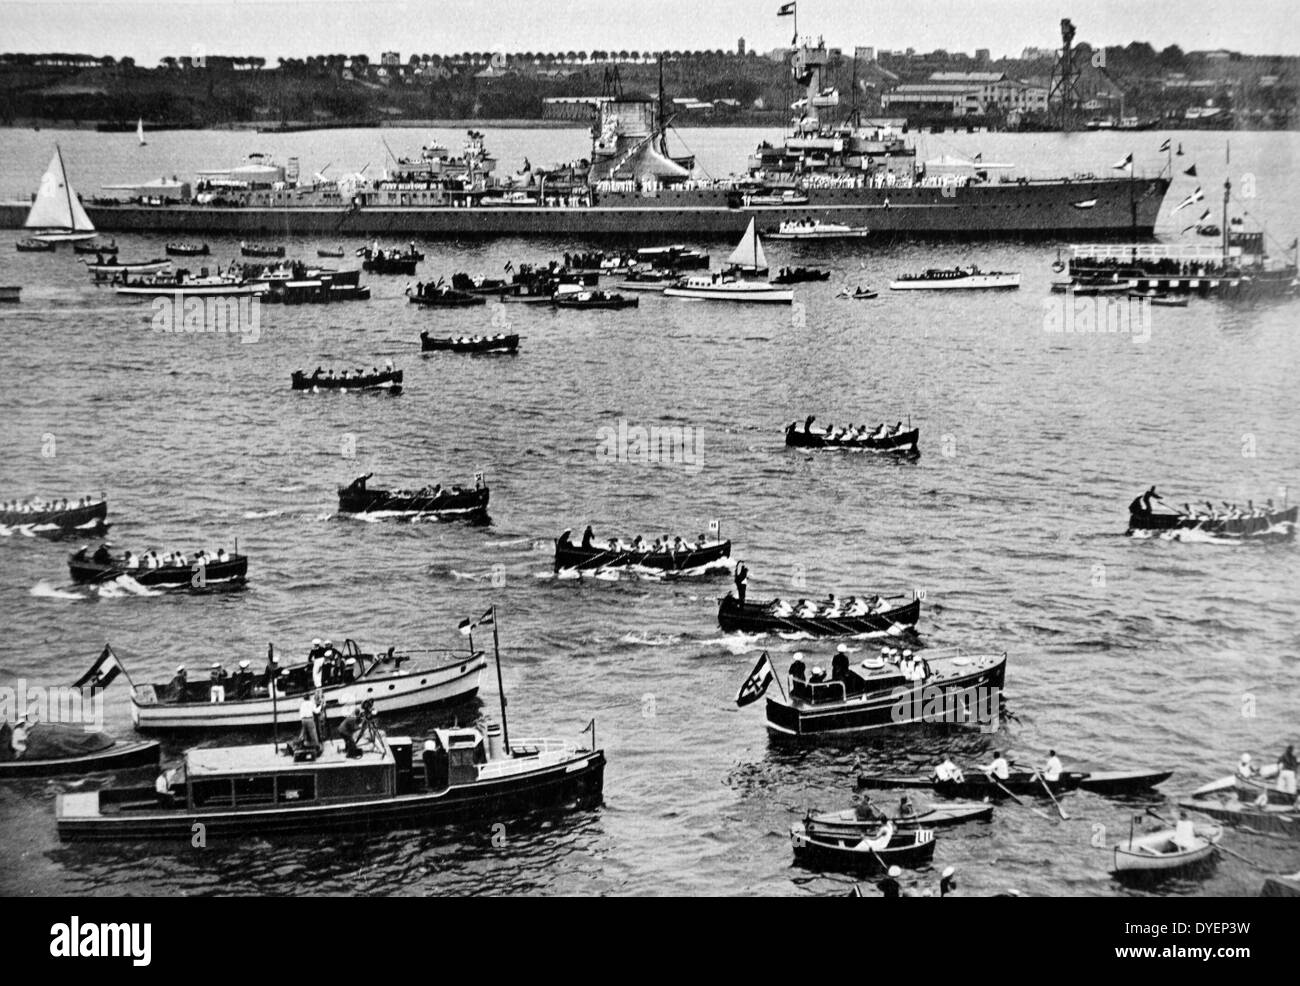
574, 557
901, 443
1272, 819
100, 753
390, 381
853, 853
505, 343
234, 571
846, 823
761, 617
976, 784
1158, 852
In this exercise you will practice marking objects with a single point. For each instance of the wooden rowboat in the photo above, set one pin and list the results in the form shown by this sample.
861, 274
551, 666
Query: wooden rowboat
854, 853
56, 750
845, 823
1162, 852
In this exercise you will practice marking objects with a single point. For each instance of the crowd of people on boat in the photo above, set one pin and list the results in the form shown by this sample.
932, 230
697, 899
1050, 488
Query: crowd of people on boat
359, 375
915, 669
1165, 266
37, 505
851, 432
328, 667
832, 608
151, 559
638, 544
375, 252
1230, 511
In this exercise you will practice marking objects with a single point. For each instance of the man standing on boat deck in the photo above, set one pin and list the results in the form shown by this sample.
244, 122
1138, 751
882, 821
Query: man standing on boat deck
742, 581
308, 709
587, 536
1286, 768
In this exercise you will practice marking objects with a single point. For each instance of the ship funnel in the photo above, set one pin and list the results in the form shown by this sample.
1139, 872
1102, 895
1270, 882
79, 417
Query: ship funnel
495, 747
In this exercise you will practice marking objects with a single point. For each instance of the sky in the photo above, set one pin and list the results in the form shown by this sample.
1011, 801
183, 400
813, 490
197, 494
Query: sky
293, 28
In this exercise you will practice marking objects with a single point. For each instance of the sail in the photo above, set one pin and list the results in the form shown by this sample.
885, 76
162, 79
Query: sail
749, 251
56, 205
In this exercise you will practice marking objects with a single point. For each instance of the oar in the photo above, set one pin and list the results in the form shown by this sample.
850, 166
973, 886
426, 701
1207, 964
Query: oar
1037, 811
1047, 787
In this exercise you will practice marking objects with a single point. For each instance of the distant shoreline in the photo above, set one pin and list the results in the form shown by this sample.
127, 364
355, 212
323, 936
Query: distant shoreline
302, 126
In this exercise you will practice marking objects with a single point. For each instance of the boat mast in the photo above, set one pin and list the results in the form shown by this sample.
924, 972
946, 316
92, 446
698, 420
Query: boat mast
1227, 190
67, 192
501, 689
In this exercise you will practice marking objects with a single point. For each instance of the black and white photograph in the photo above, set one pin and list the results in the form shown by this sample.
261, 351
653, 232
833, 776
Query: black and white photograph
456, 448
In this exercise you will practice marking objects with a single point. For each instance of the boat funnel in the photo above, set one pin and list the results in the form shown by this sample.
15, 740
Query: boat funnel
495, 747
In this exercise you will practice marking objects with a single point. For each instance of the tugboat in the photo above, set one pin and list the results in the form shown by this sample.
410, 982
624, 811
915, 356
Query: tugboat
366, 781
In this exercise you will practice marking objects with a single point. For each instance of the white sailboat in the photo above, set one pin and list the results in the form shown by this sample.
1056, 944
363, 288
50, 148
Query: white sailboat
57, 215
139, 132
748, 257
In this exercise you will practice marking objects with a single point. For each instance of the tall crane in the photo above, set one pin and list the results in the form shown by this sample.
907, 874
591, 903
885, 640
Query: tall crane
1063, 96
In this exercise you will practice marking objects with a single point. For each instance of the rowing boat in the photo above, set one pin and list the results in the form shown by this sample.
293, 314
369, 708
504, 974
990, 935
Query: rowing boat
854, 853
977, 784
1164, 852
846, 823
1273, 819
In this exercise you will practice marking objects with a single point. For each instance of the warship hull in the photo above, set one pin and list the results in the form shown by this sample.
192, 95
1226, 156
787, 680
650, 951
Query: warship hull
1113, 207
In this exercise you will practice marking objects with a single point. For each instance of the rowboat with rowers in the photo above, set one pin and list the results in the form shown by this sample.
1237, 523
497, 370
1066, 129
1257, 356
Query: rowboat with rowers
882, 439
977, 784
59, 520
854, 853
851, 821
1270, 819
774, 616
434, 503
711, 555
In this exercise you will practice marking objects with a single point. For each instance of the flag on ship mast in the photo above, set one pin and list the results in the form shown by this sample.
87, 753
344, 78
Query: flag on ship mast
1191, 172
786, 10
1196, 196
467, 627
1126, 163
1165, 146
753, 687
103, 671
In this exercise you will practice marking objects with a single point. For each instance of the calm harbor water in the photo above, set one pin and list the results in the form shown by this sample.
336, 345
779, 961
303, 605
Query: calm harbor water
1123, 653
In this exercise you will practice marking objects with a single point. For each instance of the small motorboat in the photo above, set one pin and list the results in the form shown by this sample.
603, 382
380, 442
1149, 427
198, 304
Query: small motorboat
1160, 299
389, 261
858, 294
815, 229
326, 252
956, 279
187, 249
1090, 287
111, 268
108, 249
800, 275
442, 296
30, 245
863, 854
1166, 851
260, 250
593, 300
502, 343
181, 284
389, 381
55, 749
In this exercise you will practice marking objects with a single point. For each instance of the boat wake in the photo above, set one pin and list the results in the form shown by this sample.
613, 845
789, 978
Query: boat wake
512, 543
44, 590
1278, 532
121, 586
650, 639
261, 514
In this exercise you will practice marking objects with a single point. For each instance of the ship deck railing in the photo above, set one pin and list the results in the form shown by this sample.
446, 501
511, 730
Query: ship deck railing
1137, 252
525, 754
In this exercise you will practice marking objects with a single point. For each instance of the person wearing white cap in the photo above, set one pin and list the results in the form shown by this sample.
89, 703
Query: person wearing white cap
217, 687
905, 664
244, 681
840, 665
177, 686
798, 670
318, 665
889, 886
947, 881
1245, 769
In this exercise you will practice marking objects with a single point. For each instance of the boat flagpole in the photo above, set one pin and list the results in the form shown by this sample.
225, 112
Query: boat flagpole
1227, 190
270, 686
501, 688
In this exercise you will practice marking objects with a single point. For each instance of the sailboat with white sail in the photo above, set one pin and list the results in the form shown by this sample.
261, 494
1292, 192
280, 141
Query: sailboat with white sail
139, 133
747, 258
57, 215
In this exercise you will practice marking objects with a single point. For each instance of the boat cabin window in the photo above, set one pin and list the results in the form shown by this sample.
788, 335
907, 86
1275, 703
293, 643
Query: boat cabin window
216, 793
255, 790
295, 787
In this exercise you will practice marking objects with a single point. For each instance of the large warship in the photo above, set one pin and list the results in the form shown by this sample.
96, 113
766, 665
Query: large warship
829, 168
